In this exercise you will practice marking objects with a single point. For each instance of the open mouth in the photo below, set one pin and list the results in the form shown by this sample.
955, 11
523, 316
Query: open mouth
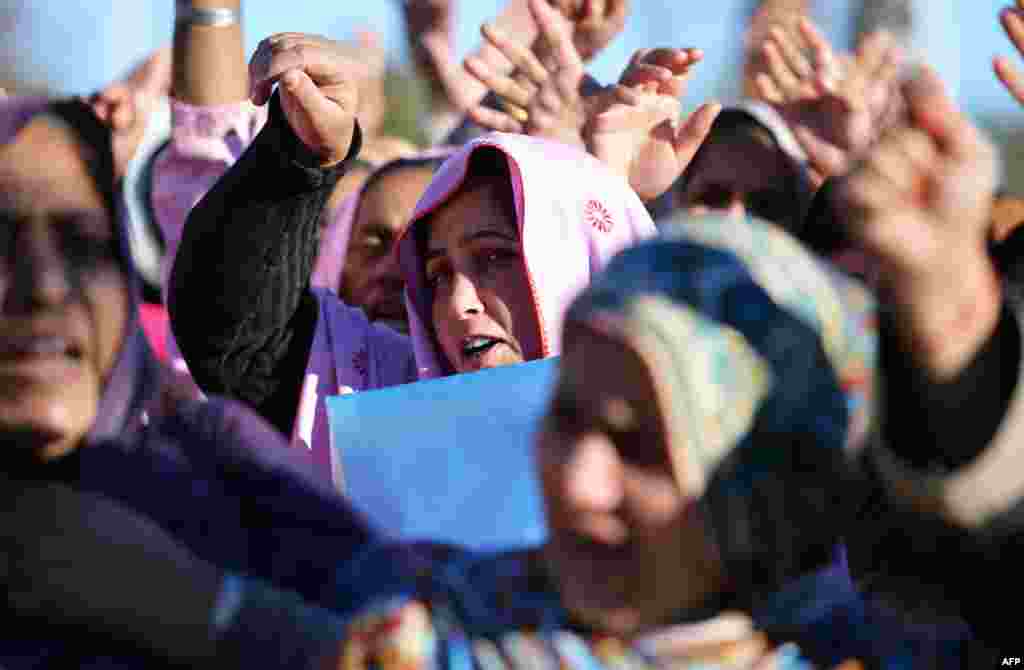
477, 346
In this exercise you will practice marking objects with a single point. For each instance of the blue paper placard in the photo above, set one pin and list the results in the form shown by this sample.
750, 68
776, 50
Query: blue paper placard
448, 459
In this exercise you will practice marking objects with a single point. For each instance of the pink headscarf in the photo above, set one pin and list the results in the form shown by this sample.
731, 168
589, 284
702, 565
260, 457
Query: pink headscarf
574, 214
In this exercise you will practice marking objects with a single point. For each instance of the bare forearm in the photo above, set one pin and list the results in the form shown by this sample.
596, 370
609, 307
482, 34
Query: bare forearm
209, 60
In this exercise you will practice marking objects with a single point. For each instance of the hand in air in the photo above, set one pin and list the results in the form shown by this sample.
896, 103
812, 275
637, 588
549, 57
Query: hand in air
319, 86
636, 129
919, 206
1012, 19
125, 105
632, 126
836, 105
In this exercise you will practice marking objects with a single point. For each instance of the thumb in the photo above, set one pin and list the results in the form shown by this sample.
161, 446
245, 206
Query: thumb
693, 132
297, 85
319, 121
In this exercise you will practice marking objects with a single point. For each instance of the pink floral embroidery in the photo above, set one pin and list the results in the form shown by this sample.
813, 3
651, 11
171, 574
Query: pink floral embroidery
598, 216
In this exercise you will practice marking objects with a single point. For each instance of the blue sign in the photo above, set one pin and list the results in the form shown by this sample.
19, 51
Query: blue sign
448, 459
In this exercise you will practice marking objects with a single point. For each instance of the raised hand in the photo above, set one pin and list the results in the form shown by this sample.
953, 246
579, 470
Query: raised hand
630, 126
636, 130
595, 23
430, 26
125, 105
836, 105
919, 206
1012, 19
540, 100
368, 49
319, 86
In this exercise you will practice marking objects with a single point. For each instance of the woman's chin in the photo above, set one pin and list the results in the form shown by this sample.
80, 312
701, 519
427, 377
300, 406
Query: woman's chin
38, 430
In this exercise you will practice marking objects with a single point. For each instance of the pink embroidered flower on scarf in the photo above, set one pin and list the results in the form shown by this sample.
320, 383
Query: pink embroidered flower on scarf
598, 216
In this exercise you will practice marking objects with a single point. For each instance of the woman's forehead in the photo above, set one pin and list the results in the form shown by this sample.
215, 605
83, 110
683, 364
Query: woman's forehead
59, 182
471, 212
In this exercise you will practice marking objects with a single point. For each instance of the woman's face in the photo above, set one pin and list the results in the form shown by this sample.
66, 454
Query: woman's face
483, 307
742, 177
63, 295
370, 278
628, 548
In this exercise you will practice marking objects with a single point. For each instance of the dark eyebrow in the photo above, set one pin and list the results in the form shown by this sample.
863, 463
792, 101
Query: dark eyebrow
487, 232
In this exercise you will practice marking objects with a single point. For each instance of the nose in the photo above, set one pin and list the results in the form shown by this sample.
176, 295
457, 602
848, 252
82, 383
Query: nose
38, 274
592, 476
464, 300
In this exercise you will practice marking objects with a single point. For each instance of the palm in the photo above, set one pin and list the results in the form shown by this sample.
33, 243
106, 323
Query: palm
638, 141
834, 103
836, 121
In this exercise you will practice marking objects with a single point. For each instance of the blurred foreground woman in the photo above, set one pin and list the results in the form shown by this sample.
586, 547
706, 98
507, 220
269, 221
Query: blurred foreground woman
86, 410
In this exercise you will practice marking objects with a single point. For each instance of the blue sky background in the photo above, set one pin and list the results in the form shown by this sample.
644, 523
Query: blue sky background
76, 47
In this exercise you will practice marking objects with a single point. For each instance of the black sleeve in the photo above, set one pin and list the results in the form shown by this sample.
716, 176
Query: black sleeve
920, 561
239, 297
944, 426
822, 231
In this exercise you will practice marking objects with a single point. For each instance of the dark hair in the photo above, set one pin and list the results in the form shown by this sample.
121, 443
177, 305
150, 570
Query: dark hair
431, 163
97, 148
488, 165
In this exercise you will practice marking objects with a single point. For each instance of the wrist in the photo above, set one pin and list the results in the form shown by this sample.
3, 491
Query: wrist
943, 329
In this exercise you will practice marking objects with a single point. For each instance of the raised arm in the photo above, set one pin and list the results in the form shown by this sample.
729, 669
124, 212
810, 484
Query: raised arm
209, 57
948, 466
212, 119
239, 291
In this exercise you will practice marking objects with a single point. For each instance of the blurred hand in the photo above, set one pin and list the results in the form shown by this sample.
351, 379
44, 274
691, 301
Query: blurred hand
769, 14
835, 105
636, 130
919, 206
125, 105
540, 100
319, 86
594, 23
630, 126
368, 50
1012, 19
430, 27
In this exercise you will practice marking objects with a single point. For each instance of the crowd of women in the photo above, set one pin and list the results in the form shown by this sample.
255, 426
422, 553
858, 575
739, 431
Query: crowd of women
784, 429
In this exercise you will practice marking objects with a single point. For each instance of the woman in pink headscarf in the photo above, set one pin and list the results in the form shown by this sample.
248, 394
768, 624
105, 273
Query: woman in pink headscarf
508, 231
